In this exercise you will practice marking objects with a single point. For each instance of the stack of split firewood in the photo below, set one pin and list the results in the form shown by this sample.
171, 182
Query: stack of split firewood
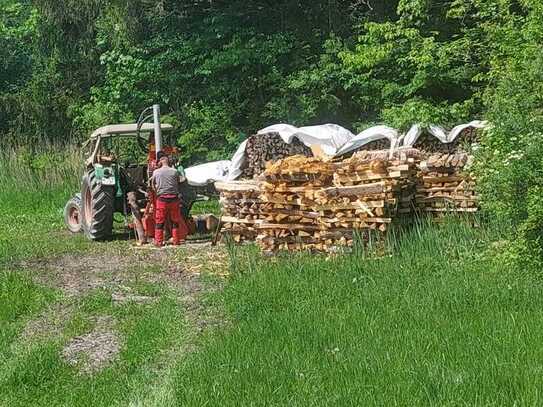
311, 204
308, 203
405, 160
290, 189
262, 148
444, 184
241, 209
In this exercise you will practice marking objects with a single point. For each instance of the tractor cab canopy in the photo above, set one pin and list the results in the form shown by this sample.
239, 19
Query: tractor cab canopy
126, 130
108, 134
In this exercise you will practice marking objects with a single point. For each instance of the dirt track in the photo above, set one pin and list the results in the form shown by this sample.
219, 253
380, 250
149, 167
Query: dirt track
116, 269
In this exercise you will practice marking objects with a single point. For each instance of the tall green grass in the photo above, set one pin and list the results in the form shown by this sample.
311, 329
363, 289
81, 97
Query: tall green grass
45, 168
34, 187
435, 321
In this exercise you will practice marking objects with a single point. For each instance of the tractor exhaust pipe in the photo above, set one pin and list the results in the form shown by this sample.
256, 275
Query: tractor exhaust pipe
158, 130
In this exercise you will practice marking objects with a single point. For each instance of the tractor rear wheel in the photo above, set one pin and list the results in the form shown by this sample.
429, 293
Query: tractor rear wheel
97, 207
72, 214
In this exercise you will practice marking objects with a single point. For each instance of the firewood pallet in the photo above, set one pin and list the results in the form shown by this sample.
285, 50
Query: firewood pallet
306, 203
444, 185
318, 205
240, 203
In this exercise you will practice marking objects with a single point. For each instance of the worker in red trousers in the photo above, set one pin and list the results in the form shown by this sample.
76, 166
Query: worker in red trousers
165, 181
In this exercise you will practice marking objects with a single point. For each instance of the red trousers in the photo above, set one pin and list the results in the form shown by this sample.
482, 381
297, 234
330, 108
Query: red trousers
167, 209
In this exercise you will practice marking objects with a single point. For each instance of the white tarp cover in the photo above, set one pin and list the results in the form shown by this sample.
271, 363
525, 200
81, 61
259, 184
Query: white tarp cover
238, 160
335, 140
204, 174
332, 139
329, 137
440, 133
367, 136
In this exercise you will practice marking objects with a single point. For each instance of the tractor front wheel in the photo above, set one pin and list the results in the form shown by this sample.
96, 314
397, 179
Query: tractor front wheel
72, 214
97, 207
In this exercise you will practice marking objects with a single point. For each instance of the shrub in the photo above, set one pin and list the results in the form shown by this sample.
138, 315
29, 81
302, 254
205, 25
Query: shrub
510, 166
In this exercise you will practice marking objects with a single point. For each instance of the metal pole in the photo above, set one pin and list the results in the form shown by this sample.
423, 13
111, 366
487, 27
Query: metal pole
158, 134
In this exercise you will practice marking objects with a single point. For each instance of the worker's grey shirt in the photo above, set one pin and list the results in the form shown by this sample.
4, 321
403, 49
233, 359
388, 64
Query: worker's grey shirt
166, 181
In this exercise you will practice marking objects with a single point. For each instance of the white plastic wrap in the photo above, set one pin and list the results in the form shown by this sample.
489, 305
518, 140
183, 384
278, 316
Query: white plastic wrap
334, 140
204, 174
440, 133
329, 137
367, 136
238, 160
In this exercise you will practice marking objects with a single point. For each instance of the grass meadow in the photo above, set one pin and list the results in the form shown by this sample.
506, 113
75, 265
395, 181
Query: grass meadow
435, 318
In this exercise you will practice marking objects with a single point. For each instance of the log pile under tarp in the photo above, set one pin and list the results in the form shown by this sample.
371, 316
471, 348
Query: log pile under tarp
428, 143
463, 143
401, 154
311, 204
240, 203
381, 144
445, 186
269, 147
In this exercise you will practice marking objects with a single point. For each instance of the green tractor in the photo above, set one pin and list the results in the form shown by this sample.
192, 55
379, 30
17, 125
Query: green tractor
121, 160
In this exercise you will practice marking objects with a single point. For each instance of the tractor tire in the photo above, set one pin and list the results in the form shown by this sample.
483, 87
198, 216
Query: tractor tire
97, 207
72, 214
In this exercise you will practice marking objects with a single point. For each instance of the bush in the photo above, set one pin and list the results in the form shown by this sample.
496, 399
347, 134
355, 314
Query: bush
510, 166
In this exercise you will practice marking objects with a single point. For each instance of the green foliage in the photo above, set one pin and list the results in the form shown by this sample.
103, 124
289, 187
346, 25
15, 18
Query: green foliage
17, 25
208, 134
233, 68
407, 74
126, 87
317, 93
510, 161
